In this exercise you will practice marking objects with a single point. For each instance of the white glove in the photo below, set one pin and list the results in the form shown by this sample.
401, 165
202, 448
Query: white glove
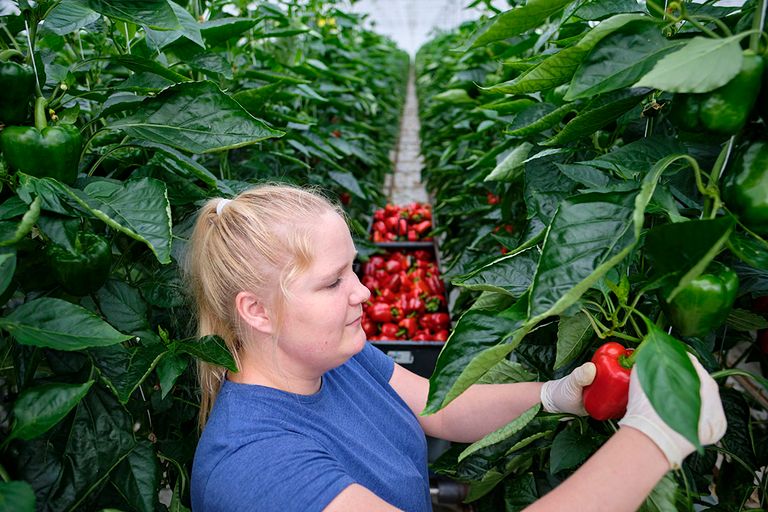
641, 416
564, 395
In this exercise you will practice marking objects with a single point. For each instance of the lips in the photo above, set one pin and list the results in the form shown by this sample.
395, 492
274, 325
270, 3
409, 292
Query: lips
356, 321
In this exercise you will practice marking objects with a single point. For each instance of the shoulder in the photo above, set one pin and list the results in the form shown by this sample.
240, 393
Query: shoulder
375, 362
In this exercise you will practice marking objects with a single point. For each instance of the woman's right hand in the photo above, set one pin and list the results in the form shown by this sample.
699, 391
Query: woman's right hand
641, 416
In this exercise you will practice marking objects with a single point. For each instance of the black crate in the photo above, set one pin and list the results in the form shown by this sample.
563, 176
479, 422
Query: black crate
417, 356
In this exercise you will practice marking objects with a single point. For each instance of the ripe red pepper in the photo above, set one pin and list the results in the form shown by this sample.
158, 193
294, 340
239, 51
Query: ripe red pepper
422, 226
369, 327
409, 325
389, 331
380, 312
607, 396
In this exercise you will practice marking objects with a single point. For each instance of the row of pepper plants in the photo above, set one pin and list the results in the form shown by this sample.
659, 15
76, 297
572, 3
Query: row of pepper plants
600, 173
118, 119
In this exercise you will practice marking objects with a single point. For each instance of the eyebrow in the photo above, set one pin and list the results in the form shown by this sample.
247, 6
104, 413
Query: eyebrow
339, 270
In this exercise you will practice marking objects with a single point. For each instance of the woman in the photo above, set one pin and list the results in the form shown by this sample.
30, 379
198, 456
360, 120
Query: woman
318, 419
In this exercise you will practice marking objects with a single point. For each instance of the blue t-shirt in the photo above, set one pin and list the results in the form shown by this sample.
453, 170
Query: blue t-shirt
264, 449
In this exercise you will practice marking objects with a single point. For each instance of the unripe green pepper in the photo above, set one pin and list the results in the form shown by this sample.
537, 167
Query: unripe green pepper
42, 150
17, 88
746, 187
84, 269
726, 109
704, 303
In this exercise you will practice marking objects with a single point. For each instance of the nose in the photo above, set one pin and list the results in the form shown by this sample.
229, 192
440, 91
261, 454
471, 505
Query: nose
360, 293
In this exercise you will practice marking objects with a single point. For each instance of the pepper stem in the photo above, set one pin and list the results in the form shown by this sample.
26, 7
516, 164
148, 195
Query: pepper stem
40, 119
628, 361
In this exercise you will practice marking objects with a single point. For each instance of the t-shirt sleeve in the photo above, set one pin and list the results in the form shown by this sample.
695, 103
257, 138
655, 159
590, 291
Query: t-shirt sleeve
379, 364
284, 471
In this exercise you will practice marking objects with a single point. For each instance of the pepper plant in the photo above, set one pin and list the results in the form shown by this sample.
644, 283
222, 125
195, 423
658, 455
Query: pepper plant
597, 174
118, 119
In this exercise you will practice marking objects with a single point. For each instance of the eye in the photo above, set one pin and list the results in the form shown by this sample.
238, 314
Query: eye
335, 284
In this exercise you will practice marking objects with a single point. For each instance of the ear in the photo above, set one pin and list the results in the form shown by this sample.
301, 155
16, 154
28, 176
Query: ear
252, 311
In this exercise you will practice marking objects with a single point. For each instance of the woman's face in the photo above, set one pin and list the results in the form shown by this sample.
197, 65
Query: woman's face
321, 320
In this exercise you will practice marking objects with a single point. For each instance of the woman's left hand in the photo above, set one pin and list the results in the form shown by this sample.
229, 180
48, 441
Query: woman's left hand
564, 395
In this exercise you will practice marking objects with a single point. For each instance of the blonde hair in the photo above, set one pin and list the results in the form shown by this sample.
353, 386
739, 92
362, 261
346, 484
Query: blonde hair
259, 242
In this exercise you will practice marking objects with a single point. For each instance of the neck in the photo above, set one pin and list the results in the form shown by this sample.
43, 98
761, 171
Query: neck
270, 370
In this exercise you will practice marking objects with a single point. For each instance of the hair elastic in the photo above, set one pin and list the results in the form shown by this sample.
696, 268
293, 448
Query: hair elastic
221, 204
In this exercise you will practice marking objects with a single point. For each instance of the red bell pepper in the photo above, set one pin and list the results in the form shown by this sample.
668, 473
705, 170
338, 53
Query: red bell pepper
380, 312
607, 396
389, 331
409, 325
369, 327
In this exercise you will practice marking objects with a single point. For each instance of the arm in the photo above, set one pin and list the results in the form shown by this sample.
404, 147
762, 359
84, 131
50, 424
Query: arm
606, 482
478, 411
357, 497
483, 408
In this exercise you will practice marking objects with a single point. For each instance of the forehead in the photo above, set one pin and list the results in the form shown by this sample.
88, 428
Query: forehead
332, 243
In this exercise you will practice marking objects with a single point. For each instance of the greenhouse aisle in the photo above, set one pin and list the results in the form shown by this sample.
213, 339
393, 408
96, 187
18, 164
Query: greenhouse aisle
405, 185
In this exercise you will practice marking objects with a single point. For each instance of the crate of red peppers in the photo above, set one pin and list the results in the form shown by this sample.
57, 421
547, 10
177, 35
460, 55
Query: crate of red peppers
408, 226
407, 297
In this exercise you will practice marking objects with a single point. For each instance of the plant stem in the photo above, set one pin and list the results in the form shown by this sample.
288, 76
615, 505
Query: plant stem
758, 23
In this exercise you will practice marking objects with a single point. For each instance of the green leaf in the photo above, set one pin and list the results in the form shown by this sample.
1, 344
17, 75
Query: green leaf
663, 498
571, 447
476, 344
85, 453
620, 60
61, 325
687, 247
537, 118
511, 167
453, 96
506, 372
670, 381
573, 335
510, 274
210, 349
12, 232
156, 14
139, 64
7, 268
169, 369
141, 205
503, 433
597, 114
573, 259
589, 231
516, 21
701, 65
196, 117
349, 182
519, 492
746, 321
137, 477
751, 250
680, 246
67, 17
124, 369
123, 306
559, 68
17, 497
40, 408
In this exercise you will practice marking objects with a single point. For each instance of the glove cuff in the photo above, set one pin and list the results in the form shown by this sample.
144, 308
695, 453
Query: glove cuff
674, 446
546, 397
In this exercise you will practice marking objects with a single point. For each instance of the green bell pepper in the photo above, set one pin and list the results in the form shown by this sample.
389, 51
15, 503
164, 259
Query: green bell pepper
703, 304
745, 188
85, 268
42, 150
17, 83
726, 109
